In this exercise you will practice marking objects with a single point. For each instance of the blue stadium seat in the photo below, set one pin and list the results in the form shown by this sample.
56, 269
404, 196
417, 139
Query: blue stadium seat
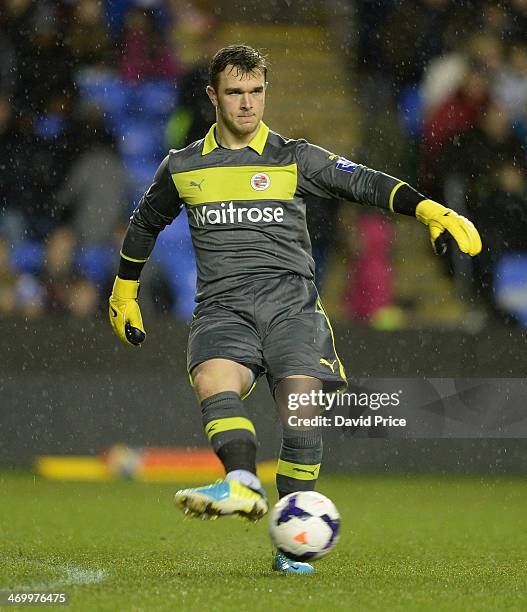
157, 98
140, 171
27, 257
97, 263
138, 138
110, 92
510, 285
49, 126
175, 255
116, 11
411, 110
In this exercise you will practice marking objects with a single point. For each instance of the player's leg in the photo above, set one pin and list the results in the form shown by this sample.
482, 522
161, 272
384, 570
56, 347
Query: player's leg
219, 385
301, 450
220, 342
299, 351
302, 363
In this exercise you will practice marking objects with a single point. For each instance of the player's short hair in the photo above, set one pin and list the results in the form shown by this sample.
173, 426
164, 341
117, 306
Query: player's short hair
244, 58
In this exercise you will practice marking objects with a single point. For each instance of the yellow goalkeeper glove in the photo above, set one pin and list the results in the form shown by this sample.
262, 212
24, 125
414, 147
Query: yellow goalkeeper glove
125, 316
439, 218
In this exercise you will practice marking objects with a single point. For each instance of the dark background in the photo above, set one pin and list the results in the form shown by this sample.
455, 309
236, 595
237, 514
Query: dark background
68, 387
93, 94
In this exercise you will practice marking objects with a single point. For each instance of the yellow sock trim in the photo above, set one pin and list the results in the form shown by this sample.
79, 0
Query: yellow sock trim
219, 425
299, 471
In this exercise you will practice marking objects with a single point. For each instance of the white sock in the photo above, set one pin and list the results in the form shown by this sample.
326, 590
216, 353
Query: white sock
246, 478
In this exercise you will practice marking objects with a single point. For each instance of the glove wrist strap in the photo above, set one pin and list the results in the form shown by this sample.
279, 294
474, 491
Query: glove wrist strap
125, 289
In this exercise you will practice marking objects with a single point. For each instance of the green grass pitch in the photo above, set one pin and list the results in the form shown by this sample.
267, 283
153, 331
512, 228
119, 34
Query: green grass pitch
407, 543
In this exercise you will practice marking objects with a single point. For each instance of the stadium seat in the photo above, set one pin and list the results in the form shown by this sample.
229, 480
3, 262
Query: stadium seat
174, 253
510, 285
140, 171
27, 256
107, 90
97, 263
49, 126
158, 98
139, 138
411, 110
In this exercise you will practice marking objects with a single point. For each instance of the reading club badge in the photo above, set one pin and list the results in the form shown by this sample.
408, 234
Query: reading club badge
260, 181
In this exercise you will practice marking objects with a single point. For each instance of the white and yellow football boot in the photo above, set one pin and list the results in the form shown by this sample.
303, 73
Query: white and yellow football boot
224, 498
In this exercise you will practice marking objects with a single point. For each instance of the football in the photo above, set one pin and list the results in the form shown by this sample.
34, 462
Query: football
304, 525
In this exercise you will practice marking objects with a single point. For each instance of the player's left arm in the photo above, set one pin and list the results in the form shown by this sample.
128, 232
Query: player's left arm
327, 175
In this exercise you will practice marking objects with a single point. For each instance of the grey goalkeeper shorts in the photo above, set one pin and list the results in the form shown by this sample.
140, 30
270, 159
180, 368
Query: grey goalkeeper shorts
275, 326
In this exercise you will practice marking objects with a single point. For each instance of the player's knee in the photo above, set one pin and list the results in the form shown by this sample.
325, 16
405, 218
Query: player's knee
205, 385
209, 380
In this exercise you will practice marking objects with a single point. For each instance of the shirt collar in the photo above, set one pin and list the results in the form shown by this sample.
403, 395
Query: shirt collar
257, 143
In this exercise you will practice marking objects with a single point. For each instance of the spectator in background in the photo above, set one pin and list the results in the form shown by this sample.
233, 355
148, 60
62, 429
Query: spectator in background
510, 87
411, 35
8, 281
490, 159
65, 290
495, 18
19, 294
369, 289
8, 74
11, 220
518, 20
479, 155
446, 73
322, 224
397, 40
53, 150
87, 36
26, 186
146, 53
192, 31
93, 197
503, 219
456, 115
17, 26
12, 223
194, 114
39, 146
44, 63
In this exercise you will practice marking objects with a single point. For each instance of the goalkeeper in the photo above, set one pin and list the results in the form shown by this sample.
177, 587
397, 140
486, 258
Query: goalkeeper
258, 311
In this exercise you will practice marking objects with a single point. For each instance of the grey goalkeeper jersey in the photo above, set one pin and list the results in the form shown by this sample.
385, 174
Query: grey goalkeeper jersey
245, 207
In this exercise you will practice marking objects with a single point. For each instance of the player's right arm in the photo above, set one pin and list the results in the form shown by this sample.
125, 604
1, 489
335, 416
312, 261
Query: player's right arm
158, 207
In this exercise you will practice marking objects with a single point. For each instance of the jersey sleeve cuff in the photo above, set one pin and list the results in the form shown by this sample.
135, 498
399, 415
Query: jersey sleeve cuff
130, 269
404, 199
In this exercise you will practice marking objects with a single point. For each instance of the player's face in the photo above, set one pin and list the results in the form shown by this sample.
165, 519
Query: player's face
239, 100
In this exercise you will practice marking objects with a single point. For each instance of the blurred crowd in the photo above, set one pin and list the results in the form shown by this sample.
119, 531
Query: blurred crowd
87, 89
451, 76
93, 93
